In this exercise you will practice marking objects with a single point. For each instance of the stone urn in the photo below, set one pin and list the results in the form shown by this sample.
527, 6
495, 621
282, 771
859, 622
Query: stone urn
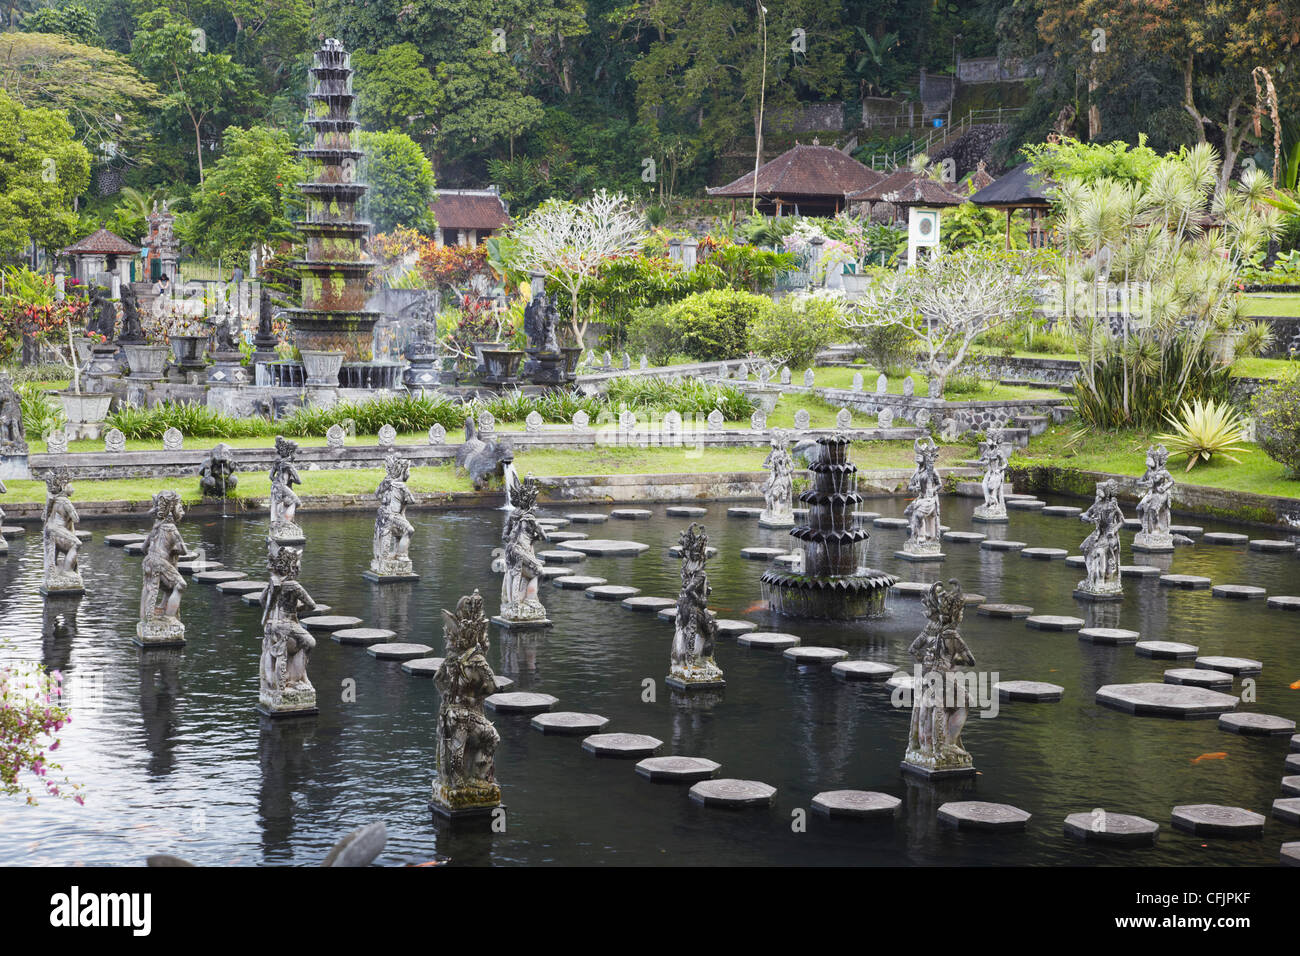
479, 348
187, 350
83, 409
501, 365
854, 283
146, 361
764, 396
572, 356
322, 368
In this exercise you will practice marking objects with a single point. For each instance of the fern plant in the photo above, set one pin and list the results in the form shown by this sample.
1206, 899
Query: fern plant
1203, 431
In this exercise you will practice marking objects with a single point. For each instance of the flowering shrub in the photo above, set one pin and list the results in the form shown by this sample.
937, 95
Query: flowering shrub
450, 266
29, 307
31, 712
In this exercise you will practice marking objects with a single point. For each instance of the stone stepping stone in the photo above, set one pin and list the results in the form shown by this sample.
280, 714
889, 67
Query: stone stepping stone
979, 815
761, 554
1225, 537
1078, 561
814, 655
120, 540
1062, 511
198, 567
17, 531
744, 512
1165, 650
83, 535
676, 551
1256, 725
863, 670
901, 679
611, 592
685, 511
1116, 829
631, 514
1236, 666
135, 549
648, 605
329, 622
1044, 554
959, 537
1283, 602
1001, 545
1290, 854
422, 666
502, 683
398, 652
1295, 744
728, 627
1210, 819
1187, 582
771, 641
890, 522
606, 548
1018, 496
1054, 622
363, 636
1287, 809
585, 518
1165, 700
1004, 610
732, 793
1291, 786
1132, 524
558, 520
244, 586
217, 577
621, 745
569, 723
1195, 677
787, 560
970, 597
1191, 530
910, 588
521, 702
1023, 504
561, 556
856, 804
1271, 546
558, 537
1109, 636
578, 582
677, 769
866, 515
1029, 691
1134, 570
1241, 592
550, 573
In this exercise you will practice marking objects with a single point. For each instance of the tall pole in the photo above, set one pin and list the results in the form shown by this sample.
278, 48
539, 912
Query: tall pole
762, 90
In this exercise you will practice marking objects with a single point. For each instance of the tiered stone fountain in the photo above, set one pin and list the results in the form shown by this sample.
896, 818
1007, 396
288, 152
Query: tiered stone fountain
832, 582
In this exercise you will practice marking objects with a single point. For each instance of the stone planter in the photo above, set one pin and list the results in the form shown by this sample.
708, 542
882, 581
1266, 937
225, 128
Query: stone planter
478, 353
84, 408
146, 361
322, 368
853, 283
764, 396
501, 365
572, 356
188, 351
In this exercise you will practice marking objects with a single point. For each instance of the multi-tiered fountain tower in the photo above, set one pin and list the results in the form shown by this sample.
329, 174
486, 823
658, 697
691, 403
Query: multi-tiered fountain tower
832, 582
333, 316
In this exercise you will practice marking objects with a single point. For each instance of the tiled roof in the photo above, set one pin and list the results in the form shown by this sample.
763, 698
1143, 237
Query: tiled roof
469, 209
101, 242
924, 192
803, 171
891, 183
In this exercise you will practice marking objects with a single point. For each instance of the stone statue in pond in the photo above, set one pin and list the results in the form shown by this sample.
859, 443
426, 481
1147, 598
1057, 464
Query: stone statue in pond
482, 460
59, 536
778, 490
940, 695
1101, 548
284, 501
519, 601
695, 632
391, 559
923, 512
13, 439
286, 644
160, 593
467, 741
995, 455
217, 472
1154, 507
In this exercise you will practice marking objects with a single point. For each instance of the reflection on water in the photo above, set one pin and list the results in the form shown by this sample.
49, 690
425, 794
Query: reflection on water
177, 760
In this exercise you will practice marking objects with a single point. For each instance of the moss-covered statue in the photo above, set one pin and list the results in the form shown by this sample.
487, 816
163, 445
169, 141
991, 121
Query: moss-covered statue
59, 536
520, 604
160, 592
284, 502
217, 472
923, 512
391, 560
286, 644
940, 698
691, 663
1101, 548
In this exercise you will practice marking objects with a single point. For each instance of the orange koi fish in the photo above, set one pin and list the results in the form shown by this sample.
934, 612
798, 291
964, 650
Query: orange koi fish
1220, 755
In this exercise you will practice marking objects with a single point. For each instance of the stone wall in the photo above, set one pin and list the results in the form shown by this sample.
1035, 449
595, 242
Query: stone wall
949, 419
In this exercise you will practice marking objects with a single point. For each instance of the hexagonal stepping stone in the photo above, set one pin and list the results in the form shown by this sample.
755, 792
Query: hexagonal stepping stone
1115, 829
1240, 592
198, 567
398, 651
1029, 691
578, 582
363, 636
1018, 496
761, 554
611, 592
1256, 725
1211, 819
502, 683
122, 540
1062, 511
770, 641
569, 723
587, 518
1287, 809
685, 511
216, 577
329, 622
422, 666
676, 551
744, 512
677, 769
732, 793
243, 586
1291, 786
866, 515
1289, 855
1190, 530
901, 679
1187, 582
555, 520
1272, 546
1054, 622
1165, 700
996, 544
1165, 650
910, 588
621, 745
1236, 666
1004, 610
1284, 602
814, 655
1108, 636
890, 522
863, 670
561, 556
648, 605
606, 547
1075, 561
1225, 537
631, 514
979, 815
958, 537
788, 560
135, 549
550, 572
556, 537
970, 597
1134, 570
521, 702
1025, 504
1295, 744
82, 534
856, 804
729, 627
1195, 677
1044, 554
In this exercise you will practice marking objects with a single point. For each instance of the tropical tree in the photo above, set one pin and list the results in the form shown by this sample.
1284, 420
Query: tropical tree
400, 178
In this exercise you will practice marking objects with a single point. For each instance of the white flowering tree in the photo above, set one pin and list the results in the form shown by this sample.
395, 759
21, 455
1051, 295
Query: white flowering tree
948, 301
568, 242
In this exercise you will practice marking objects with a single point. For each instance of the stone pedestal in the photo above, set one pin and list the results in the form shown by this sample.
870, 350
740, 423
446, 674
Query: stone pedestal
920, 555
13, 466
422, 373
388, 571
58, 584
987, 515
227, 369
146, 361
104, 365
770, 520
160, 632
1153, 543
527, 625
549, 369
501, 366
322, 368
300, 703
480, 813
1082, 593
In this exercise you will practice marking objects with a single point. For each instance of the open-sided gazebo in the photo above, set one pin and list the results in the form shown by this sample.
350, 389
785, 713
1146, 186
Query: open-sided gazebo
1018, 189
804, 181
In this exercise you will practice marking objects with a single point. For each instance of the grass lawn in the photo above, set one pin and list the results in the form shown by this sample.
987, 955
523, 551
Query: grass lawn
1272, 303
1124, 453
839, 376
